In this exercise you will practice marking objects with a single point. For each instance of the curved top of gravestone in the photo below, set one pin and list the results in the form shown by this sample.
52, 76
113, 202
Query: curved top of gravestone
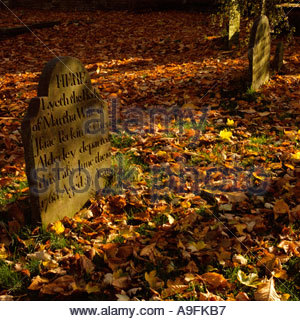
260, 27
70, 68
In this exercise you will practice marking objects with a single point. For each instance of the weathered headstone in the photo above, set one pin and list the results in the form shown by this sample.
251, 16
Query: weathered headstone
66, 142
259, 52
278, 59
234, 24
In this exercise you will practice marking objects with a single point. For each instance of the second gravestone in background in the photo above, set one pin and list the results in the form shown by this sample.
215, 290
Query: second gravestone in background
259, 52
65, 136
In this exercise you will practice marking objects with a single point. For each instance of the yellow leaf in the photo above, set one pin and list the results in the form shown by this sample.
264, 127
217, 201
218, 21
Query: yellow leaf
3, 253
195, 247
240, 227
170, 218
289, 133
50, 264
250, 280
296, 155
37, 283
230, 122
159, 126
58, 227
280, 274
261, 178
161, 153
285, 297
92, 288
290, 166
225, 134
186, 204
153, 280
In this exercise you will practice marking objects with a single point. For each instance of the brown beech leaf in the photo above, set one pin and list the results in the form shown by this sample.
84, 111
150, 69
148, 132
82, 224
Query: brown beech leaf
37, 283
150, 251
236, 197
266, 291
124, 251
6, 297
63, 285
242, 296
215, 280
14, 227
295, 214
117, 203
209, 297
123, 297
86, 264
290, 247
121, 282
173, 290
280, 208
191, 267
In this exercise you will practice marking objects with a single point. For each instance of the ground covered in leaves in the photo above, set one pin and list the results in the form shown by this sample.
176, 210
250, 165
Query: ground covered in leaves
207, 208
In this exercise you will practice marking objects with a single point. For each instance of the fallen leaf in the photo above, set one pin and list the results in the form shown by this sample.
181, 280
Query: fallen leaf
296, 156
37, 283
57, 227
249, 280
209, 297
215, 280
86, 264
3, 252
230, 122
238, 258
40, 255
153, 281
63, 285
122, 297
236, 197
6, 297
280, 208
225, 134
92, 288
121, 282
266, 291
242, 296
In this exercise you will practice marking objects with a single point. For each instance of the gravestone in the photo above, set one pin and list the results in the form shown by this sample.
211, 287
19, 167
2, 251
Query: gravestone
259, 52
65, 136
278, 59
234, 24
